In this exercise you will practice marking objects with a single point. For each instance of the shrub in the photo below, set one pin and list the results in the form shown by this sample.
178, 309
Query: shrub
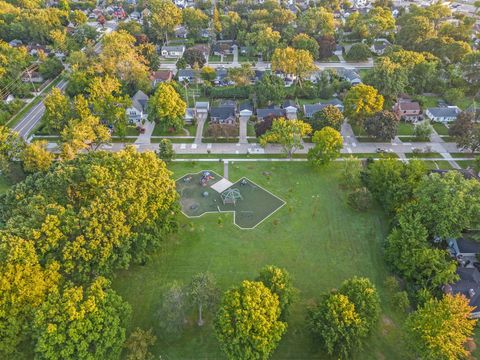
359, 52
401, 301
360, 199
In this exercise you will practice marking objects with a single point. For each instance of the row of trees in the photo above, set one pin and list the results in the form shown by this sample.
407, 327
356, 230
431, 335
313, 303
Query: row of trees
64, 231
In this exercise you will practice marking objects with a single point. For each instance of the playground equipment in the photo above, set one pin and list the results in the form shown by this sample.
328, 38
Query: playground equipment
206, 176
230, 196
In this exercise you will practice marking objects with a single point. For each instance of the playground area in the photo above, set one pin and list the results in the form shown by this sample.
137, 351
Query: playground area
208, 192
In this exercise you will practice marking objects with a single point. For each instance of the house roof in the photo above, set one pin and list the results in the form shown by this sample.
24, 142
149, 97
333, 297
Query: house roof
445, 112
289, 103
222, 112
162, 75
349, 74
139, 100
468, 285
263, 113
310, 109
202, 105
409, 105
186, 73
177, 48
245, 105
468, 246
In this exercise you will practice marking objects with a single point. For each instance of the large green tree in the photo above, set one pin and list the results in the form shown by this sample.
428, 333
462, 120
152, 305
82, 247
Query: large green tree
81, 322
382, 126
328, 143
288, 134
361, 102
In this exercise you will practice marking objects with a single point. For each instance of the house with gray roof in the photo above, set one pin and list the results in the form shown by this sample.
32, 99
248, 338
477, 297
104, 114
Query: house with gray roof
310, 109
350, 75
186, 75
172, 52
245, 109
271, 111
225, 114
137, 111
443, 114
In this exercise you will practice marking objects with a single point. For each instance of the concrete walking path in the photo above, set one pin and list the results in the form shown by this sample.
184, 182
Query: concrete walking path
200, 124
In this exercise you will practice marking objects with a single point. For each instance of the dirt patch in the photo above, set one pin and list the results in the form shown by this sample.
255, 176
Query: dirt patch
387, 325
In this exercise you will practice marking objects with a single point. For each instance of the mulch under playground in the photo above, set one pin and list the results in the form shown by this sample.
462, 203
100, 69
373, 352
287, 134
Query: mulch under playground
208, 192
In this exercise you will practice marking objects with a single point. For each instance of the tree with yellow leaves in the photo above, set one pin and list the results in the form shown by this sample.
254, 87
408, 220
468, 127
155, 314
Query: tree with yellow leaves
361, 102
164, 17
36, 157
167, 108
81, 322
247, 324
84, 131
328, 143
440, 328
217, 24
288, 134
24, 285
120, 58
295, 62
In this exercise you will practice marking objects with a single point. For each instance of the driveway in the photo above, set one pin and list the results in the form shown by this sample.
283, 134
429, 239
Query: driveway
243, 130
200, 124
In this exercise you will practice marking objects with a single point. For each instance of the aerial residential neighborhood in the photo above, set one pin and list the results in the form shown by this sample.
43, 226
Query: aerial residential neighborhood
242, 180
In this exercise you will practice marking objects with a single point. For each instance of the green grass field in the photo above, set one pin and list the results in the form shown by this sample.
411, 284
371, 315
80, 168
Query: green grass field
315, 236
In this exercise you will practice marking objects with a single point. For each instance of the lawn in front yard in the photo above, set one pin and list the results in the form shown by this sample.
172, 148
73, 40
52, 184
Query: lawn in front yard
405, 128
315, 236
440, 128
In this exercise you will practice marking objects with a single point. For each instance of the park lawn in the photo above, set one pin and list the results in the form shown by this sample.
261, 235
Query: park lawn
315, 236
440, 128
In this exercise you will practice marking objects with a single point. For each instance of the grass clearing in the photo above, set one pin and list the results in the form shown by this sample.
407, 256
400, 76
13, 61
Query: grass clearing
405, 128
429, 155
315, 236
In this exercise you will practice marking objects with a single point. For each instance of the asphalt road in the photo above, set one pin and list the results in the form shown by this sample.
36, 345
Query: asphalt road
25, 126
33, 117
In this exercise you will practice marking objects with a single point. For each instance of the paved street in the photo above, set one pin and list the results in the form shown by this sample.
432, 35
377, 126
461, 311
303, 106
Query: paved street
32, 117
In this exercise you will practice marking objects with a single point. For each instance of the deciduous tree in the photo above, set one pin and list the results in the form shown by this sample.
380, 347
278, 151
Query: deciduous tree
440, 328
80, 322
138, 344
57, 111
203, 293
305, 42
328, 143
247, 324
36, 157
279, 282
329, 116
288, 134
166, 107
382, 126
361, 102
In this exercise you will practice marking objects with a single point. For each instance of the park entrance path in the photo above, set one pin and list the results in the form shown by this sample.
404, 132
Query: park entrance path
225, 169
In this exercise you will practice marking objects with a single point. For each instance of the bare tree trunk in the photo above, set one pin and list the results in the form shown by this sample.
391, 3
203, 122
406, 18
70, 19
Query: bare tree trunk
200, 319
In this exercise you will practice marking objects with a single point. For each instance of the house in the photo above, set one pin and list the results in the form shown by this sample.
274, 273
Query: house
223, 47
180, 3
379, 46
181, 32
223, 114
310, 109
220, 76
201, 108
32, 76
135, 15
160, 76
407, 110
137, 111
337, 103
338, 50
146, 13
270, 111
350, 75
443, 114
15, 43
172, 52
360, 3
465, 252
186, 75
245, 109
290, 109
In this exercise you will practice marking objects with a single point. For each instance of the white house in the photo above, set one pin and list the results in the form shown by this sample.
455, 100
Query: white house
172, 52
443, 114
361, 3
138, 110
202, 108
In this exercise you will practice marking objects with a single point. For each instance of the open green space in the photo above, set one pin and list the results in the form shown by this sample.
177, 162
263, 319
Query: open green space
315, 236
15, 175
413, 139
464, 155
429, 155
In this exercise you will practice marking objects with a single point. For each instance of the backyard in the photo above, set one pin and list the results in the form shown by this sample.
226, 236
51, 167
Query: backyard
315, 236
